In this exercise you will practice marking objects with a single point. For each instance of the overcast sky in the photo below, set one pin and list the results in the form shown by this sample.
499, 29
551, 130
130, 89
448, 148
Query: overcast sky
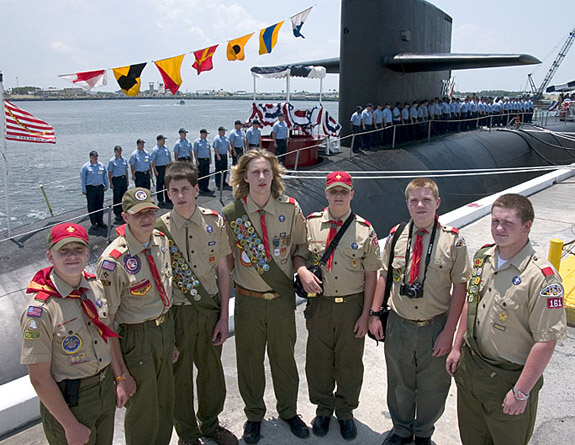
40, 39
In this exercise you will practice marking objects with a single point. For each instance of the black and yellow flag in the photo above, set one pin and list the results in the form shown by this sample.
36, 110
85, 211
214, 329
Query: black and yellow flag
235, 50
128, 78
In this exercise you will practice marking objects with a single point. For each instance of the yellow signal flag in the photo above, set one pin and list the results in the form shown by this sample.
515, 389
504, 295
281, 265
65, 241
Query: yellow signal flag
235, 50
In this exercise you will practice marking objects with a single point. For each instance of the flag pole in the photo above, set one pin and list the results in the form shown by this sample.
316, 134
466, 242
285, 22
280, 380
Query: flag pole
4, 154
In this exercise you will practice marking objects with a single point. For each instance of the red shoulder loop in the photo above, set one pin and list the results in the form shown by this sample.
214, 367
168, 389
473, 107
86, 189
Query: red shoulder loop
121, 230
393, 229
214, 212
42, 296
115, 254
455, 230
487, 245
366, 222
547, 271
160, 233
291, 200
89, 276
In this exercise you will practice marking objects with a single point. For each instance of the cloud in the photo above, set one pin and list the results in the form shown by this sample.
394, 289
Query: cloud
61, 47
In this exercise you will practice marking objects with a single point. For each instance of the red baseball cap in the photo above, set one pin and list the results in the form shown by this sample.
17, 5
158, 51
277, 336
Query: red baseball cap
63, 234
339, 179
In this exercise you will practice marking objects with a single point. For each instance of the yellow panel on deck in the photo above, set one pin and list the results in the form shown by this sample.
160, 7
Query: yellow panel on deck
567, 272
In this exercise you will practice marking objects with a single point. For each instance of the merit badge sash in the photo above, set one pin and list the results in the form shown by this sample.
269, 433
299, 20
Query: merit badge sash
251, 242
183, 276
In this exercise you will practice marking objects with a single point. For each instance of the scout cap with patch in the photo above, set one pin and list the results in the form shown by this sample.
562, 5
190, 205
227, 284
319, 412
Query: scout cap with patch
66, 233
137, 199
339, 179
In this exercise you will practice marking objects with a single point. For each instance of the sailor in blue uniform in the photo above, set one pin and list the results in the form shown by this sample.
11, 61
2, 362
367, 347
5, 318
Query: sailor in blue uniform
183, 148
119, 179
94, 179
355, 122
141, 166
237, 141
203, 157
161, 158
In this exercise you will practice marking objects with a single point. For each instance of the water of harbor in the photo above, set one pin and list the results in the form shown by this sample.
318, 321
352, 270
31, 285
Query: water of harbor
82, 126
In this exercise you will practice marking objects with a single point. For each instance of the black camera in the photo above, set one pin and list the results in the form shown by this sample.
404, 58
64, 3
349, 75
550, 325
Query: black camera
414, 290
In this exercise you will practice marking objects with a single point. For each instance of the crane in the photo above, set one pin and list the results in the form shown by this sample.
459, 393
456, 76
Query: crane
538, 91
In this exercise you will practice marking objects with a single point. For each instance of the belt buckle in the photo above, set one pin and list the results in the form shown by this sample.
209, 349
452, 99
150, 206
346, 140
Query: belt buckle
160, 319
268, 296
423, 323
338, 300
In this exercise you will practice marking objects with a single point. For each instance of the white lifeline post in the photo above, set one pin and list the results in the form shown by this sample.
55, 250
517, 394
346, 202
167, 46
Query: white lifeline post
4, 154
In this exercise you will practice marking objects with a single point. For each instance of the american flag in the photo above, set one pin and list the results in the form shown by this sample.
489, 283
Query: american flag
22, 126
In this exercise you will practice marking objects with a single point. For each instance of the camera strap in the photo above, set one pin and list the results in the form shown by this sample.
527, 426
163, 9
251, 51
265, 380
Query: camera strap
335, 241
429, 249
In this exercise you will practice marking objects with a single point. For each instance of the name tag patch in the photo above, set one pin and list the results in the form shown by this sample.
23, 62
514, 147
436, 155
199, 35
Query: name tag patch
31, 335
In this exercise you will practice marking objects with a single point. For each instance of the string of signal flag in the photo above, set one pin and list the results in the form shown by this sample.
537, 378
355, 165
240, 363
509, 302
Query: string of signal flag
128, 77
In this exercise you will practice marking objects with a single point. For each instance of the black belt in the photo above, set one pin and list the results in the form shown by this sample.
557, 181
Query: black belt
95, 186
119, 177
185, 158
86, 381
143, 173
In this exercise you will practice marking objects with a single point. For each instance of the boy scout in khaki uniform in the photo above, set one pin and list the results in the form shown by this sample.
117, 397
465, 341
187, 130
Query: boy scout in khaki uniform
264, 228
513, 317
65, 337
337, 319
136, 273
430, 272
198, 246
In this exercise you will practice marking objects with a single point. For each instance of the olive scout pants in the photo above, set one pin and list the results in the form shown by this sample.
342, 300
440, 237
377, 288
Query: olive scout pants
260, 325
96, 409
417, 382
480, 394
147, 352
194, 329
334, 355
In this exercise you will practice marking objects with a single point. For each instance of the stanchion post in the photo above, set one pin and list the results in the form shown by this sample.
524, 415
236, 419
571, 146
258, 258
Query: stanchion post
429, 130
393, 136
555, 250
352, 145
221, 184
109, 234
296, 159
46, 199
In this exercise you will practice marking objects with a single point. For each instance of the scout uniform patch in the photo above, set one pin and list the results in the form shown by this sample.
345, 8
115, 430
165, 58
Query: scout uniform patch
71, 344
132, 264
554, 294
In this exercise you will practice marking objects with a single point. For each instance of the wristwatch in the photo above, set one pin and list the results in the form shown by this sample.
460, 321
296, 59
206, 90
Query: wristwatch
374, 313
519, 395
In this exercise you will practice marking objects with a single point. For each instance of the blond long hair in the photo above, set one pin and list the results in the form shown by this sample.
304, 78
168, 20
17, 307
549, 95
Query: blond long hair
239, 173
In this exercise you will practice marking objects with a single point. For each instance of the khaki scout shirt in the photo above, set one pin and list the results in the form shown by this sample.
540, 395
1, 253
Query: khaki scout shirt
128, 281
356, 253
57, 331
519, 305
203, 241
448, 264
286, 228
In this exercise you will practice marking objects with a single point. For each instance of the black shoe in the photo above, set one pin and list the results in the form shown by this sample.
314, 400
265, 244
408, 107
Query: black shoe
422, 440
102, 225
94, 227
394, 439
347, 429
297, 427
252, 432
320, 425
